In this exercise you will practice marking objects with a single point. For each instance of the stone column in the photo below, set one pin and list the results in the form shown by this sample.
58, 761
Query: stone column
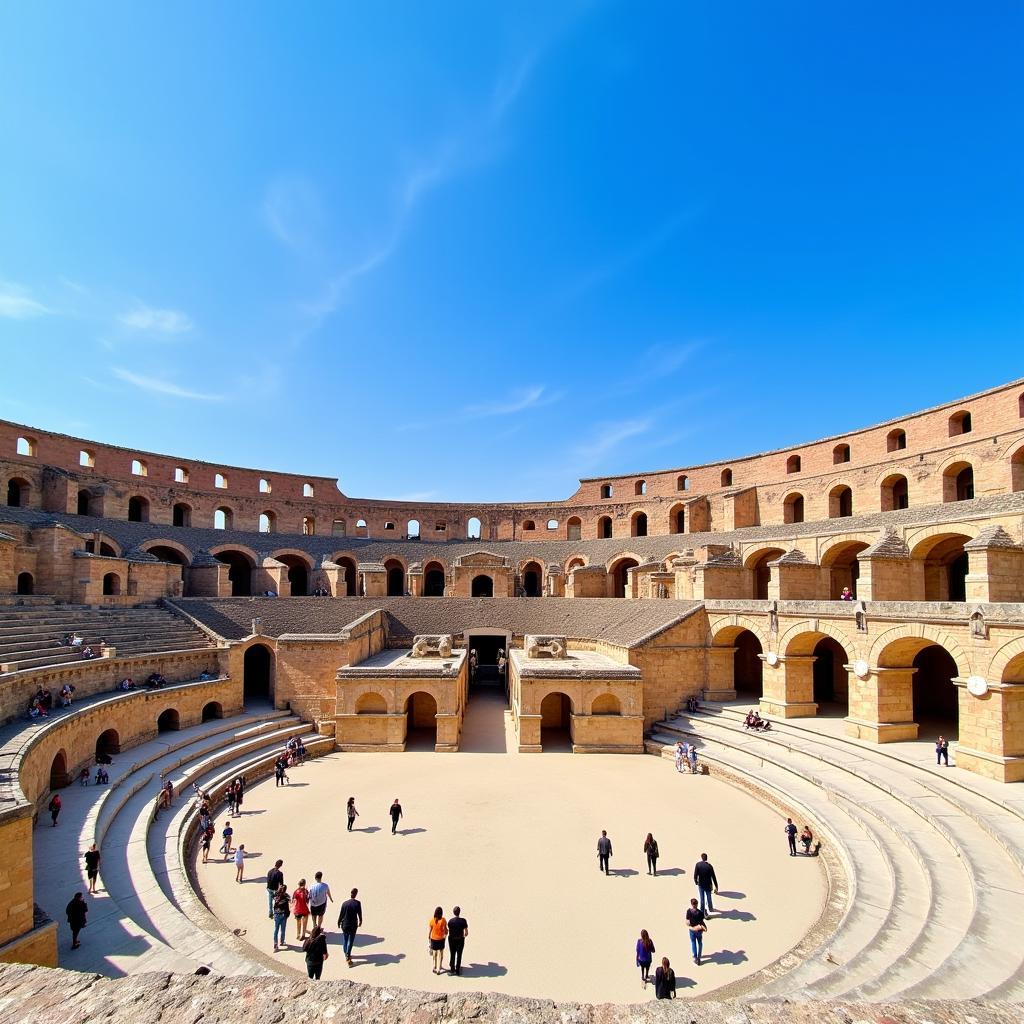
991, 734
995, 567
885, 570
788, 690
721, 674
794, 578
375, 581
881, 705
416, 581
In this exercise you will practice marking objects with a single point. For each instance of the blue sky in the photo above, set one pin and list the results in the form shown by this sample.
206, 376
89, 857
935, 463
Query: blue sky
474, 251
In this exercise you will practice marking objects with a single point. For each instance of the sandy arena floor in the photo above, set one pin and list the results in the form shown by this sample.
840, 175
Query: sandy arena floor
512, 839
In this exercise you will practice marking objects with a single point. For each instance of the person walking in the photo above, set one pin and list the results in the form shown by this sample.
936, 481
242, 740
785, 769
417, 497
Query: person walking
681, 755
239, 793
791, 831
280, 770
651, 851
315, 948
54, 807
275, 878
644, 956
942, 751
226, 834
300, 908
282, 910
458, 930
350, 918
697, 927
604, 852
208, 834
437, 932
92, 867
396, 814
319, 896
693, 758
76, 912
665, 980
706, 882
230, 794
239, 862
350, 812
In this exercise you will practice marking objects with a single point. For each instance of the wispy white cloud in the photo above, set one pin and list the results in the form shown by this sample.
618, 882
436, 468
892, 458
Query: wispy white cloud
156, 386
156, 321
609, 436
517, 401
17, 304
293, 211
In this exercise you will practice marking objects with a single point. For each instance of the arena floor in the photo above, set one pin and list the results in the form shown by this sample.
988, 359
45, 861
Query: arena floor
512, 839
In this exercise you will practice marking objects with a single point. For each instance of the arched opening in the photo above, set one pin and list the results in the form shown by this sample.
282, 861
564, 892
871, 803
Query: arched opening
620, 575
793, 509
307, 490
844, 568
168, 721
257, 668
181, 514
727, 478
606, 490
556, 723
473, 528
265, 486
308, 526
111, 584
677, 519
606, 704
482, 586
945, 567
958, 482
212, 710
1017, 470
793, 464
552, 525
26, 583
347, 581
762, 573
840, 502
574, 528
528, 526
18, 492
59, 777
421, 722
108, 744
138, 509
84, 504
267, 522
139, 468
640, 487
223, 519
220, 481
638, 525
682, 483
180, 475
87, 459
604, 527
959, 423
533, 577
371, 704
412, 528
747, 668
896, 440
831, 682
433, 580
840, 454
298, 574
895, 493
936, 700
167, 554
396, 578
239, 571
574, 563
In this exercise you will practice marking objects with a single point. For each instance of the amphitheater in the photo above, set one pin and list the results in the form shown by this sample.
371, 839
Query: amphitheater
865, 592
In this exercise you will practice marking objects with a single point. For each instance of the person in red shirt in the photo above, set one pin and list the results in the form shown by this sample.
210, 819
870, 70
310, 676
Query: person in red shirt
300, 909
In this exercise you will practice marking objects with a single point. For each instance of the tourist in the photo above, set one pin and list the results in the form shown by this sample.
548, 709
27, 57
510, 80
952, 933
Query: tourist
229, 795
665, 980
680, 755
693, 758
458, 929
300, 908
350, 812
644, 955
604, 852
396, 813
437, 932
92, 867
846, 595
319, 895
300, 751
54, 807
350, 917
502, 664
280, 907
806, 838
791, 836
226, 833
695, 922
76, 911
275, 879
651, 851
126, 684
76, 640
102, 777
942, 751
315, 948
83, 777
473, 661
207, 838
280, 770
239, 862
239, 793
67, 691
748, 722
88, 653
705, 880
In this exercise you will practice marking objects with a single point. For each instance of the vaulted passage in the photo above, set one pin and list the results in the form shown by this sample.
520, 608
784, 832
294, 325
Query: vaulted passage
482, 586
748, 669
239, 572
421, 722
256, 673
936, 699
556, 723
831, 681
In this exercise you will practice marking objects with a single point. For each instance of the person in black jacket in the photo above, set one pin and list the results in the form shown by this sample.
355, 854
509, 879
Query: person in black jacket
350, 919
315, 948
76, 911
706, 882
665, 981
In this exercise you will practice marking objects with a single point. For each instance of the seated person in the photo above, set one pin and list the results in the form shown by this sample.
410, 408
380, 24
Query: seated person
75, 640
846, 595
103, 758
807, 837
88, 653
102, 778
126, 684
206, 675
35, 710
66, 693
748, 722
83, 777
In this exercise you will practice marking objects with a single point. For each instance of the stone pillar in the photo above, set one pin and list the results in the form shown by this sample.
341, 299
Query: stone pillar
794, 578
722, 578
788, 690
885, 570
416, 581
271, 575
721, 674
555, 582
881, 705
995, 567
375, 580
991, 732
330, 575
209, 579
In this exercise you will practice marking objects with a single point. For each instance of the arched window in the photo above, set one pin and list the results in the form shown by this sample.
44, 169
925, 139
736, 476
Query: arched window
181, 515
1020, 406
86, 459
606, 490
896, 440
895, 493
958, 482
640, 487
1017, 470
308, 526
180, 475
677, 519
223, 519
139, 468
552, 524
473, 528
683, 483
959, 423
727, 478
412, 528
390, 526
26, 584
267, 522
111, 584
220, 480
138, 510
840, 502
574, 528
638, 525
793, 464
18, 492
604, 527
840, 454
25, 446
307, 490
528, 525
793, 509
265, 487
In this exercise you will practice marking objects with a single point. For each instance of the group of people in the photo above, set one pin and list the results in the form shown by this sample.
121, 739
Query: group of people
293, 754
686, 756
42, 703
756, 722
102, 778
806, 839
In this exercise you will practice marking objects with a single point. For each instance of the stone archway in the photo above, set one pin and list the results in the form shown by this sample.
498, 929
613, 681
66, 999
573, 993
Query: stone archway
258, 673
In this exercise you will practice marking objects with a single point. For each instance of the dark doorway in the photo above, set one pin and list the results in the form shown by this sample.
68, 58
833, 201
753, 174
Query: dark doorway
298, 576
108, 744
347, 583
213, 710
957, 577
239, 572
555, 723
181, 515
138, 510
396, 580
83, 502
25, 583
256, 673
483, 586
17, 493
830, 678
433, 583
620, 576
487, 650
168, 721
532, 582
936, 699
748, 669
421, 722
59, 777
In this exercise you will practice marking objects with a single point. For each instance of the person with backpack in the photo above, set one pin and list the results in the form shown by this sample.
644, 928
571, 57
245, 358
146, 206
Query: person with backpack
315, 948
54, 807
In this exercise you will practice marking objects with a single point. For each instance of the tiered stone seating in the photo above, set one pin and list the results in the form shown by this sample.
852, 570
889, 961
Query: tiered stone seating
937, 869
34, 637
